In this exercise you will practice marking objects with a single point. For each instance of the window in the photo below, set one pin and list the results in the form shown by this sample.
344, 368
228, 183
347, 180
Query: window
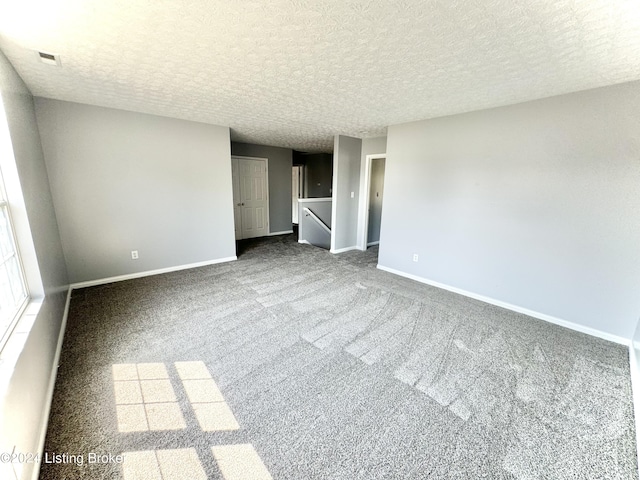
13, 291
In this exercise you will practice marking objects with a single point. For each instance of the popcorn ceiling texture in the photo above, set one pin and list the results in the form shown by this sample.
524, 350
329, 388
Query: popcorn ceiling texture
293, 73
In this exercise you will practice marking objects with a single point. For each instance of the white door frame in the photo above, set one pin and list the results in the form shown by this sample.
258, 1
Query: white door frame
300, 187
363, 211
266, 171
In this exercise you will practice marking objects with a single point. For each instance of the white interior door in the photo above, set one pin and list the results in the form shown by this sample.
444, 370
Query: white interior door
251, 200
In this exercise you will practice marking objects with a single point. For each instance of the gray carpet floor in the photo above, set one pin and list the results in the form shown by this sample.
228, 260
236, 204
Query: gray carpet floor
336, 370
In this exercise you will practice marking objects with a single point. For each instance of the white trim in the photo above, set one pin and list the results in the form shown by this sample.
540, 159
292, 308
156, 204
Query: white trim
318, 220
266, 175
322, 199
304, 242
249, 158
148, 273
635, 389
541, 316
363, 210
345, 249
334, 192
35, 474
5, 335
371, 244
296, 191
302, 205
284, 232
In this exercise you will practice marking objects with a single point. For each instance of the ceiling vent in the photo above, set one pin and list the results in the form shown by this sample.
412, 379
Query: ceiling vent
49, 58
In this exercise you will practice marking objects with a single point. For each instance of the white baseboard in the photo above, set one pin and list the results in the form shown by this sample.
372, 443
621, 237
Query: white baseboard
148, 273
342, 250
304, 241
371, 244
635, 388
515, 308
284, 232
50, 388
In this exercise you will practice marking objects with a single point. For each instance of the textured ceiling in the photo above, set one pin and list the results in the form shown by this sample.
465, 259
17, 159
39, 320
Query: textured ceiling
295, 72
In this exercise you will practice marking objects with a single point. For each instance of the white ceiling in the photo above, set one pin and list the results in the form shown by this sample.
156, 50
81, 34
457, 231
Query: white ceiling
295, 72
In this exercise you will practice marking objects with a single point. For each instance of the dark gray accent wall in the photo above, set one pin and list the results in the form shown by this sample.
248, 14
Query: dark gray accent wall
533, 205
124, 181
318, 181
280, 164
26, 385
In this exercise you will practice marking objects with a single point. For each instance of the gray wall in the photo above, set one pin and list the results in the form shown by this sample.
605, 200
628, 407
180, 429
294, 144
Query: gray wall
125, 181
25, 400
320, 206
308, 229
280, 164
346, 179
370, 146
376, 196
535, 205
318, 173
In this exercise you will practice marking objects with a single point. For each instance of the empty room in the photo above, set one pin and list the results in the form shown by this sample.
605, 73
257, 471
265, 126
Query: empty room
319, 239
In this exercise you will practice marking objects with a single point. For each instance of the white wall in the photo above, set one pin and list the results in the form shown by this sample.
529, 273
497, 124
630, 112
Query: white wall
125, 181
536, 205
28, 360
346, 179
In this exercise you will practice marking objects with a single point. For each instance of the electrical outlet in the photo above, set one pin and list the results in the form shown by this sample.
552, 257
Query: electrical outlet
134, 254
353, 194
415, 257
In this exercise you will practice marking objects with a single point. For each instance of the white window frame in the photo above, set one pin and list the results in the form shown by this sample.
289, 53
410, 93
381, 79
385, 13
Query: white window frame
7, 326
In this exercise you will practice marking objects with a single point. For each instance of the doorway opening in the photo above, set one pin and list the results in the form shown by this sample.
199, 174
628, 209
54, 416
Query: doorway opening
297, 191
250, 196
371, 199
